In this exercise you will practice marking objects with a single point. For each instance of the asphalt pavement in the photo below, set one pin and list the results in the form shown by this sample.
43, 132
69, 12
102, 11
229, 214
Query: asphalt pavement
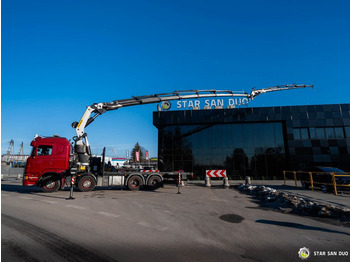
200, 224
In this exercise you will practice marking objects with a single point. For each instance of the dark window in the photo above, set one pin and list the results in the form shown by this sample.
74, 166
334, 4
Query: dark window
296, 133
312, 133
347, 131
320, 133
301, 133
329, 132
255, 149
339, 132
304, 133
44, 150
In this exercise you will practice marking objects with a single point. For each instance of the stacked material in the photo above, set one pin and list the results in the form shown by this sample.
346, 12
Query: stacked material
288, 203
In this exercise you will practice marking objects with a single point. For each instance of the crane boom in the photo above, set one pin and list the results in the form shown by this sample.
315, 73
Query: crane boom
100, 108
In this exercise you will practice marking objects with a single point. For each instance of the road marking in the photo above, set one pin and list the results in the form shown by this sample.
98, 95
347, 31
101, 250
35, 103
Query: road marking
48, 201
221, 200
77, 207
160, 228
23, 197
108, 214
213, 243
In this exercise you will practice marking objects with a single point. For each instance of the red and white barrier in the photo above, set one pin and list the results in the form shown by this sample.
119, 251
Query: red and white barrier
150, 171
215, 173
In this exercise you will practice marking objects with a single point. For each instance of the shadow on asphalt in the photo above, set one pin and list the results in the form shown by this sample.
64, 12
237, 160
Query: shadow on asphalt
19, 189
298, 226
27, 190
37, 190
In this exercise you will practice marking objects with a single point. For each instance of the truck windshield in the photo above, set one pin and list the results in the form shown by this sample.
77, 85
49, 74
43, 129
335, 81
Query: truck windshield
32, 153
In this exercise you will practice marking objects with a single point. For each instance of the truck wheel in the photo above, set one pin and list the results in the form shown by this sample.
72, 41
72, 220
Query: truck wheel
50, 184
154, 182
86, 183
134, 183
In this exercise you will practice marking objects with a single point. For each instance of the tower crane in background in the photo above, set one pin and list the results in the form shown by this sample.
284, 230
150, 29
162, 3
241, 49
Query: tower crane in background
10, 152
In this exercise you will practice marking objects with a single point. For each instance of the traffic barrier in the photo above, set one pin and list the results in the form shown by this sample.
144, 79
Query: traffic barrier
150, 171
298, 175
179, 182
207, 182
216, 174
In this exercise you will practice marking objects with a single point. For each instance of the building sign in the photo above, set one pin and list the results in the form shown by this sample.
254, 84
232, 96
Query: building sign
234, 102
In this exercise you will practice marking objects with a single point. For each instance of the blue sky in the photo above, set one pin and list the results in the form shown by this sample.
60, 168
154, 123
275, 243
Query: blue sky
60, 56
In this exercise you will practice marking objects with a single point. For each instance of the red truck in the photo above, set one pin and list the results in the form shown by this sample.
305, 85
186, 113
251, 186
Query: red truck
54, 161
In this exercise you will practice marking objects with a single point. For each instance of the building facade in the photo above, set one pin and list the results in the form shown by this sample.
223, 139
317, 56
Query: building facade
257, 142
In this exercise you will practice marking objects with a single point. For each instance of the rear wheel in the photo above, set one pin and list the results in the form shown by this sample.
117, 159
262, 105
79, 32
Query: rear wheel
154, 182
50, 184
86, 183
134, 183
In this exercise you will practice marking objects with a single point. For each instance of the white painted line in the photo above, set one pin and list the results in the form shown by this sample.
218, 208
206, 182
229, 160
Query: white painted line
220, 200
160, 228
76, 207
23, 197
213, 243
108, 214
48, 201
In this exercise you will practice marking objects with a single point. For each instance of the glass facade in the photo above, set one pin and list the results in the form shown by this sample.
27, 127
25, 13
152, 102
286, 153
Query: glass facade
259, 142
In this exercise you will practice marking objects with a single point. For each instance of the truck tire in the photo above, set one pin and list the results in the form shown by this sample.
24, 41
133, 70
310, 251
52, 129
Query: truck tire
154, 182
86, 183
134, 183
50, 184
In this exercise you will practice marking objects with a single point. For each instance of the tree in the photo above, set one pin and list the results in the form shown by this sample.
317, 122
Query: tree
137, 148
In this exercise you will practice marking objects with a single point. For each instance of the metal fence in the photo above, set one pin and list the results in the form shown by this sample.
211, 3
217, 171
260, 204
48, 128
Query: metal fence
309, 177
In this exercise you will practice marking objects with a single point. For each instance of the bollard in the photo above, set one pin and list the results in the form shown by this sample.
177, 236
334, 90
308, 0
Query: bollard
71, 189
226, 184
19, 176
179, 183
247, 180
207, 182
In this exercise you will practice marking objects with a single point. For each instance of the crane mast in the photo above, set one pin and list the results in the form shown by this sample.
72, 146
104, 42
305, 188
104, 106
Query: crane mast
97, 109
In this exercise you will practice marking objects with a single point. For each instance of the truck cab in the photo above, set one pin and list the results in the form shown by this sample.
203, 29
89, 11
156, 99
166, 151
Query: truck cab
48, 163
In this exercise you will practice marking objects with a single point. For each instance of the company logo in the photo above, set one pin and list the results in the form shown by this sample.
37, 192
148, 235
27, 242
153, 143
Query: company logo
304, 253
165, 105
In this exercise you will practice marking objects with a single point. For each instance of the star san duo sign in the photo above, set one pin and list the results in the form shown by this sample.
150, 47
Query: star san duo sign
207, 103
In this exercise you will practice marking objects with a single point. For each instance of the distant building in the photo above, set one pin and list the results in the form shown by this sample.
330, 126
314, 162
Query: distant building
14, 158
